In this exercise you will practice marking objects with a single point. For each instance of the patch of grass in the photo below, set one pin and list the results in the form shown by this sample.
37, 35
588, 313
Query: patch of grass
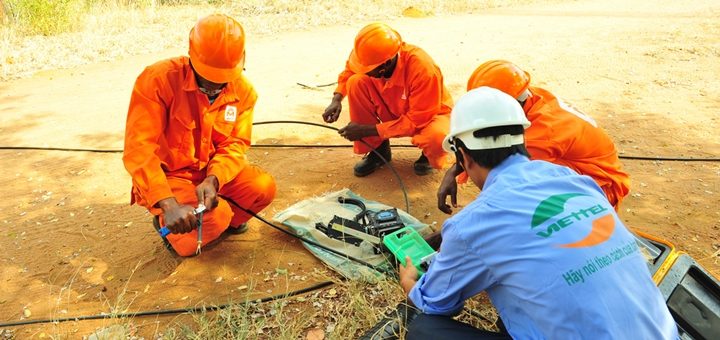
341, 311
44, 17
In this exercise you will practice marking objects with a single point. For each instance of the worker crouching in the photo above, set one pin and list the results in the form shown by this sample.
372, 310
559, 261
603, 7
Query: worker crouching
541, 240
394, 89
188, 128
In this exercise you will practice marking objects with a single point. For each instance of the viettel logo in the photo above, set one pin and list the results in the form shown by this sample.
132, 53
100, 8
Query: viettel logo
553, 208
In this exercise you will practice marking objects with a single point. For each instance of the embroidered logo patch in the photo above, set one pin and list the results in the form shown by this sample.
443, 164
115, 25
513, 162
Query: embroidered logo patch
230, 113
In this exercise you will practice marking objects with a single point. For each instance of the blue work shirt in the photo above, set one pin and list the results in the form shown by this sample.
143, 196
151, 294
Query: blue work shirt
553, 256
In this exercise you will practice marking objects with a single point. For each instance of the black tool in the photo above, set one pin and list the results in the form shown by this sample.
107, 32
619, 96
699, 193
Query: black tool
368, 225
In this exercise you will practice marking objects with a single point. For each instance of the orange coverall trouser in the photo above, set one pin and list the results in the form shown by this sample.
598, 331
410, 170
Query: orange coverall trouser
252, 189
367, 106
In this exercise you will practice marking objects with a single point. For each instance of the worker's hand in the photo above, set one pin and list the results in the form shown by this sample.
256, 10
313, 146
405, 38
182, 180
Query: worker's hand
355, 131
206, 192
408, 275
332, 112
448, 187
180, 219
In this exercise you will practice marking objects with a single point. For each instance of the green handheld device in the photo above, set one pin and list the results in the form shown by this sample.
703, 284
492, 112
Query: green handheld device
408, 242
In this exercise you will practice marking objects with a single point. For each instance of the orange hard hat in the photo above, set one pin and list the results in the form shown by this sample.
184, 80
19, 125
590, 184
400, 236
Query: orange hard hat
374, 44
217, 48
502, 75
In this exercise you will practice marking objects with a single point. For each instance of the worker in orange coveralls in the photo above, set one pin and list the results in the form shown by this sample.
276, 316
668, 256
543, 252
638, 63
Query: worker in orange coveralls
558, 134
394, 89
188, 128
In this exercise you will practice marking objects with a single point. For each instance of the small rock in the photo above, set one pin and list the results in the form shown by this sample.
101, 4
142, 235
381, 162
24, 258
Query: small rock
315, 334
112, 332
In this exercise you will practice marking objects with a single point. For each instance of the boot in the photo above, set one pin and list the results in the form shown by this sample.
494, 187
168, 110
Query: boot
422, 166
371, 161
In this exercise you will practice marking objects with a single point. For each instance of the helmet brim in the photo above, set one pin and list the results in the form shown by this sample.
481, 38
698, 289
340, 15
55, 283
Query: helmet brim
359, 68
215, 74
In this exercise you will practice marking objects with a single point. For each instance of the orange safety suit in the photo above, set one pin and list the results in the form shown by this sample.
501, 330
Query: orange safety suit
566, 136
175, 138
561, 134
413, 102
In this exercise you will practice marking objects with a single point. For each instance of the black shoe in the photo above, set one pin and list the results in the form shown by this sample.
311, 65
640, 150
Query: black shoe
422, 166
390, 327
371, 161
166, 243
237, 230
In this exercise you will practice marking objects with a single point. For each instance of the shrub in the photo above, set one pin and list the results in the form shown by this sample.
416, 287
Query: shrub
44, 17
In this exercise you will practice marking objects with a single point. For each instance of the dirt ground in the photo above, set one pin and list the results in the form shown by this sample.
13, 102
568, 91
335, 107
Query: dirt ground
645, 70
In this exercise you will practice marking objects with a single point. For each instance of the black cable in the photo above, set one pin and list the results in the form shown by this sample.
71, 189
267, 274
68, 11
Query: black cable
670, 159
285, 231
328, 146
214, 308
407, 204
38, 148
385, 161
167, 311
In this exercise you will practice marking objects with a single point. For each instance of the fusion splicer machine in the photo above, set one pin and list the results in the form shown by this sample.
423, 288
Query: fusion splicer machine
369, 226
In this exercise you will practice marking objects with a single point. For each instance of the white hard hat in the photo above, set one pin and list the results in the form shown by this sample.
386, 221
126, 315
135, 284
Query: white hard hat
481, 108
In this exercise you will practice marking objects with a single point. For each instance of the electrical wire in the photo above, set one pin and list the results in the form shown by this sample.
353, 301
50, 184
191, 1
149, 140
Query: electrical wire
214, 308
167, 311
333, 146
670, 159
283, 230
287, 232
385, 161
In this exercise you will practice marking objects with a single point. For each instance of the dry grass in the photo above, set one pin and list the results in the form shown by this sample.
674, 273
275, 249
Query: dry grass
109, 30
112, 29
343, 311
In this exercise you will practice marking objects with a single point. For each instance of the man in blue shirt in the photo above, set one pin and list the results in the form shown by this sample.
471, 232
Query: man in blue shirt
541, 240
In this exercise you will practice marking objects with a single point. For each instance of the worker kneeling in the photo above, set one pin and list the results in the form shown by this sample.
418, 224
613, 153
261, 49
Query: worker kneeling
394, 90
188, 129
541, 240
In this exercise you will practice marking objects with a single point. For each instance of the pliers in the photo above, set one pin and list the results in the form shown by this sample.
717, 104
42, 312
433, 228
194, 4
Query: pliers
198, 212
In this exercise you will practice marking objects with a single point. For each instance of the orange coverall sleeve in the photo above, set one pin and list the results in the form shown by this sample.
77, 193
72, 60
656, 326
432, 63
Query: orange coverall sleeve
229, 159
341, 87
424, 94
543, 150
146, 120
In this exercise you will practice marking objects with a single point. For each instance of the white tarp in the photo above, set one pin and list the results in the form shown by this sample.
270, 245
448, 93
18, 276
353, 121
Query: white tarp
302, 217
